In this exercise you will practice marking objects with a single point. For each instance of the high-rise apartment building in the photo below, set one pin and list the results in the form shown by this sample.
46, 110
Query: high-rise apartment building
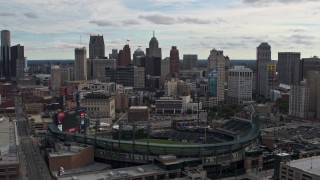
17, 61
289, 68
55, 78
239, 85
136, 55
190, 62
6, 53
299, 100
80, 64
174, 60
263, 60
124, 56
310, 64
96, 47
216, 75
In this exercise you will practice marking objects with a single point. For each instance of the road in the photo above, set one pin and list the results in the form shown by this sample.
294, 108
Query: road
32, 163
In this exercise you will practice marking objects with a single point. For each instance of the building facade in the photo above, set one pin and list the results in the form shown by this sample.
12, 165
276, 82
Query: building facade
124, 56
263, 60
6, 53
299, 101
239, 85
165, 67
289, 68
99, 104
55, 78
190, 62
96, 47
313, 84
174, 61
138, 113
80, 64
137, 54
127, 76
216, 75
310, 64
17, 61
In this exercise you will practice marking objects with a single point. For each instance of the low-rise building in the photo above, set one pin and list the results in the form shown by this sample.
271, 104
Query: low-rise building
9, 166
70, 156
38, 123
33, 107
138, 113
99, 104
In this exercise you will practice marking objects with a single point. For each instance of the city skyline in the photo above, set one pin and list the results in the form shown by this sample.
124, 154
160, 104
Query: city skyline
194, 26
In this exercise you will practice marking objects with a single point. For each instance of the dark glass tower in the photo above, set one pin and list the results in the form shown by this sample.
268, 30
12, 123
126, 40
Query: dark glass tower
17, 61
5, 53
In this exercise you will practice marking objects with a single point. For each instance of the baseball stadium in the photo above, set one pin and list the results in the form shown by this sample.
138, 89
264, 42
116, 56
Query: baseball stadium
220, 150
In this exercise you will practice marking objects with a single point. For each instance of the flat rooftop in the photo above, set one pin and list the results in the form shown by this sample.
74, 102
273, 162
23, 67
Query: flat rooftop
138, 107
37, 118
305, 165
72, 148
121, 173
8, 142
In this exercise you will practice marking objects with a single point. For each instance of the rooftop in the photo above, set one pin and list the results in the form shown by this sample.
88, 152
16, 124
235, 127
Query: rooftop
8, 142
121, 173
310, 165
37, 118
66, 149
138, 107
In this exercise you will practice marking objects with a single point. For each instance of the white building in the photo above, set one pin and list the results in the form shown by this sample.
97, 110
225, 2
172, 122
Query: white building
299, 100
171, 88
239, 85
165, 67
80, 64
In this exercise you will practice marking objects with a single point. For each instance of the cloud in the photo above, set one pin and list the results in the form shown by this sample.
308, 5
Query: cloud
101, 22
159, 19
167, 20
4, 14
130, 22
30, 15
193, 20
276, 1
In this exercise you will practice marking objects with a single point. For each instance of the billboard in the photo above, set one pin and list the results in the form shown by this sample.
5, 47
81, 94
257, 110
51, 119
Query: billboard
212, 82
67, 121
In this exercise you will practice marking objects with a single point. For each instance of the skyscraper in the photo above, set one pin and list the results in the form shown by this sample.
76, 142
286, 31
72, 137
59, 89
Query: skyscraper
114, 54
153, 58
263, 60
289, 68
239, 85
96, 47
96, 51
190, 62
309, 64
124, 56
56, 75
216, 75
17, 61
80, 64
313, 84
174, 60
154, 50
6, 53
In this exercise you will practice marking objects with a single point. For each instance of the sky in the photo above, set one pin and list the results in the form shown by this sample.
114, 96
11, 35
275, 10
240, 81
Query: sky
51, 29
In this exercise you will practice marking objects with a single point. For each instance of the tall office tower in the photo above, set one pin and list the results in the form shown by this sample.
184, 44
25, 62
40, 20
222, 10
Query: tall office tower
216, 75
96, 47
174, 61
299, 100
66, 75
227, 68
136, 55
114, 54
55, 78
80, 64
239, 85
313, 84
165, 67
310, 64
190, 62
17, 61
154, 50
127, 76
263, 60
124, 56
6, 53
289, 68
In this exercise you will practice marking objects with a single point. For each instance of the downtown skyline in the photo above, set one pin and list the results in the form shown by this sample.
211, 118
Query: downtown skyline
52, 29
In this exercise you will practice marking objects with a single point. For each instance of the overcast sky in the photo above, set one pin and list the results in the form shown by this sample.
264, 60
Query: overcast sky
51, 29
